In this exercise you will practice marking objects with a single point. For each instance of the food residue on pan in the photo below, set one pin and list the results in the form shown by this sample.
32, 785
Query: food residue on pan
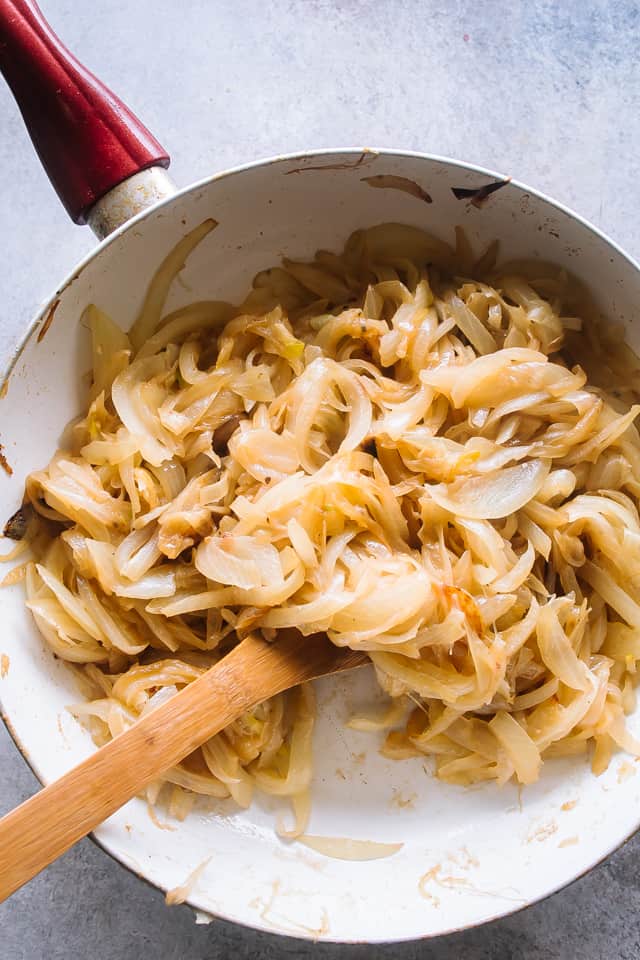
568, 805
283, 923
542, 832
388, 181
464, 858
5, 663
422, 885
155, 820
315, 932
180, 893
60, 724
367, 156
625, 770
403, 800
447, 882
48, 320
568, 842
4, 463
344, 848
201, 918
463, 884
265, 905
477, 196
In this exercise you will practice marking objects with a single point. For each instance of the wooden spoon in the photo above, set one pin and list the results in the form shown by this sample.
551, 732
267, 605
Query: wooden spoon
43, 827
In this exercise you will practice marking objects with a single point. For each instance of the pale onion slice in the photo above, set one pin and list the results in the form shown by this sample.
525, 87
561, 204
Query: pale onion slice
157, 699
112, 627
611, 592
266, 455
110, 349
148, 318
392, 714
492, 495
473, 329
556, 650
527, 700
458, 382
621, 642
109, 451
180, 893
302, 543
623, 737
159, 582
518, 573
239, 562
518, 745
70, 603
344, 848
142, 422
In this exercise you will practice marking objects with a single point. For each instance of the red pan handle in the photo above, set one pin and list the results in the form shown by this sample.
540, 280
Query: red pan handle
87, 139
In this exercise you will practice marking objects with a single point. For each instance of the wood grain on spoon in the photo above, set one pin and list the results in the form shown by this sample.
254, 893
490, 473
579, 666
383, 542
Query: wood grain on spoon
43, 827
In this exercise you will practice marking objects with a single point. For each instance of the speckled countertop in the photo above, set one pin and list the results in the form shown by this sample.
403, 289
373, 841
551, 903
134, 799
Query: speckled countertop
547, 92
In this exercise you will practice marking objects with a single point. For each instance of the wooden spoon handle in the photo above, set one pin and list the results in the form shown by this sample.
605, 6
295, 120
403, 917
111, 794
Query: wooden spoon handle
43, 827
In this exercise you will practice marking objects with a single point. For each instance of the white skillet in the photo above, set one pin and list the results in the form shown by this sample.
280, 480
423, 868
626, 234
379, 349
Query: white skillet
468, 855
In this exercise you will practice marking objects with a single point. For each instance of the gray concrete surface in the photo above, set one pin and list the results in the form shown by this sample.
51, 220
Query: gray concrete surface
548, 92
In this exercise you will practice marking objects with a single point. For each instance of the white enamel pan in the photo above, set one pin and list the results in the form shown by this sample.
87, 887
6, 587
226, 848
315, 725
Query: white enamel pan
467, 855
